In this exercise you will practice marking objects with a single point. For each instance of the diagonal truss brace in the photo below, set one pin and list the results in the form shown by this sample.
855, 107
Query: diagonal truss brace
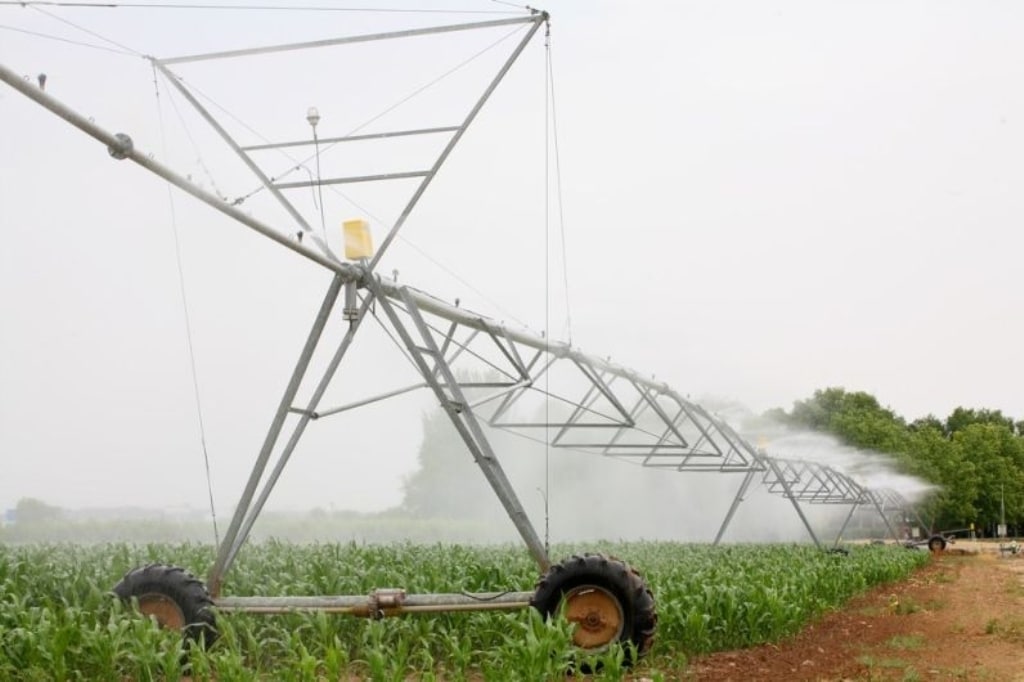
610, 410
438, 373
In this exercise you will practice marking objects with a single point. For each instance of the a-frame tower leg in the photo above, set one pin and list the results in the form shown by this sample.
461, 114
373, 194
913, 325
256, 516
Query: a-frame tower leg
748, 478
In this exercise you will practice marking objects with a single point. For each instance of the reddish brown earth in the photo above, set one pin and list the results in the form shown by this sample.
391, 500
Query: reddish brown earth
961, 617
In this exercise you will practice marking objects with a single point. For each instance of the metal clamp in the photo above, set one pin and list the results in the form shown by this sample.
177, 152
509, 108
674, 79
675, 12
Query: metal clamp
383, 599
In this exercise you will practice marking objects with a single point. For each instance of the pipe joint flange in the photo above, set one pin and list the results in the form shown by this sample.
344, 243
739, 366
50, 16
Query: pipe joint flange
385, 601
123, 148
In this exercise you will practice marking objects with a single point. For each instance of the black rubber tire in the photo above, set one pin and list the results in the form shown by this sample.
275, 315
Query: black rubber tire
936, 543
614, 577
161, 582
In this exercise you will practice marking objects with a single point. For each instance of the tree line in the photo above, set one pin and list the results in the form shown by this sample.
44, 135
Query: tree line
974, 457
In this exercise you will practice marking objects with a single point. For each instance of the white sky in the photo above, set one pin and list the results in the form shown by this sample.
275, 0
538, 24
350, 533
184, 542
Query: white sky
760, 199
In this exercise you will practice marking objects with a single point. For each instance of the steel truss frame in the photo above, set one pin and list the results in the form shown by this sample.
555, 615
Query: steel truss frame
607, 409
813, 483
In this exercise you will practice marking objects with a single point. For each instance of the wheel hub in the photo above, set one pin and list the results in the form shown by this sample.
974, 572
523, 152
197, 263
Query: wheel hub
167, 614
597, 615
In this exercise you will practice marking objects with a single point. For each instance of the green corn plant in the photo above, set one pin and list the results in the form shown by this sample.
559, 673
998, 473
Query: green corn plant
58, 620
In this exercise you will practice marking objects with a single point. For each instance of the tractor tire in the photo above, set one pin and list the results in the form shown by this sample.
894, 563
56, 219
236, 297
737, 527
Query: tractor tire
936, 543
605, 598
175, 598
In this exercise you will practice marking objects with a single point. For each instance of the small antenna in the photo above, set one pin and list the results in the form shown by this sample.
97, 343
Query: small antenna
313, 117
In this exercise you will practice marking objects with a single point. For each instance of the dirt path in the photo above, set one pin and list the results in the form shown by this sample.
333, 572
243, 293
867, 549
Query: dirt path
959, 618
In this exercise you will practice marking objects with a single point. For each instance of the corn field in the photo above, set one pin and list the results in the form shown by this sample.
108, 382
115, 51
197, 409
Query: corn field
59, 620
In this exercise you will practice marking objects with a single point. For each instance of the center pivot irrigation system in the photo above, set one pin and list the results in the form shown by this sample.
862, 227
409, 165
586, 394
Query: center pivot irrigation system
617, 412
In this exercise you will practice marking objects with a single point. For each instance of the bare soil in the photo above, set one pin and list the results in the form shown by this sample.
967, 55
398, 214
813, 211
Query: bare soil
961, 617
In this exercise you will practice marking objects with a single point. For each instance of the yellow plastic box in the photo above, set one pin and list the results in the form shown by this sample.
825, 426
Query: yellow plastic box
358, 240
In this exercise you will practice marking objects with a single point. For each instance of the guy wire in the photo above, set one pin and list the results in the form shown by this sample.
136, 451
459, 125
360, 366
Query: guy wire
188, 322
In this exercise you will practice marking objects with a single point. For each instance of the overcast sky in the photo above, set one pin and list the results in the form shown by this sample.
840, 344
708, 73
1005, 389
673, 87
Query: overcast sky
760, 199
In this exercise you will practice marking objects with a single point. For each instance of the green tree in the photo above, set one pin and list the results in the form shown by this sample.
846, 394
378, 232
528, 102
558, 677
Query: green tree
932, 456
961, 418
974, 458
29, 510
997, 456
930, 421
817, 412
826, 405
439, 486
856, 418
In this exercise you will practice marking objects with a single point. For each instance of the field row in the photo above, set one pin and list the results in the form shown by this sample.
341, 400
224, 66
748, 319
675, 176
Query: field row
58, 619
